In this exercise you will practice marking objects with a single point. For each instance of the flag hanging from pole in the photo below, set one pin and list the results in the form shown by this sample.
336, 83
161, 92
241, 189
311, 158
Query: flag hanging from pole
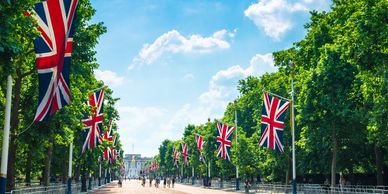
53, 49
93, 123
108, 135
175, 157
185, 154
224, 140
272, 122
200, 143
108, 155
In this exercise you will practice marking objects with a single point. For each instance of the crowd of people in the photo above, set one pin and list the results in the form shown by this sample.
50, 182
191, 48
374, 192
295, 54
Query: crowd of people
168, 182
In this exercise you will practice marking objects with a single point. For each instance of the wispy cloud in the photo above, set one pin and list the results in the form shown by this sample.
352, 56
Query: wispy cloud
173, 42
274, 16
188, 76
109, 77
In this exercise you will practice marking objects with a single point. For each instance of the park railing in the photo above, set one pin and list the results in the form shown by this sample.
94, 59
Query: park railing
56, 188
283, 188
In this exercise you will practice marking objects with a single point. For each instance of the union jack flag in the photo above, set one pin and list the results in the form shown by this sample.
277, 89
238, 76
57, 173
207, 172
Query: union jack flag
113, 154
93, 123
175, 156
272, 122
53, 50
185, 155
156, 167
108, 155
200, 143
108, 135
224, 140
114, 140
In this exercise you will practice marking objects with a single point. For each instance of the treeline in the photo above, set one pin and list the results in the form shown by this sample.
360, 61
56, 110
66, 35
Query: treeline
341, 94
40, 150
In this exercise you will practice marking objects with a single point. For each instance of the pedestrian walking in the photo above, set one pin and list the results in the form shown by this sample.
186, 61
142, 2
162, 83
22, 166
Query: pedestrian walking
157, 182
168, 182
120, 184
143, 181
164, 182
150, 182
247, 186
173, 182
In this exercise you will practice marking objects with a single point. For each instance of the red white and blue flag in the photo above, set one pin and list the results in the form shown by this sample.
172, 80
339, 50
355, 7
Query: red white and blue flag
224, 140
108, 155
108, 135
185, 154
175, 157
93, 123
199, 141
272, 122
53, 49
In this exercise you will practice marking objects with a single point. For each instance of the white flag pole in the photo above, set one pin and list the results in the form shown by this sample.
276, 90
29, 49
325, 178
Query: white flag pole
4, 154
293, 131
70, 167
235, 120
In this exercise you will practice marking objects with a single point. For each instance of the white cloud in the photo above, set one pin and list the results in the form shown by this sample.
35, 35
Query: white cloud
223, 85
274, 16
259, 64
109, 77
173, 42
188, 76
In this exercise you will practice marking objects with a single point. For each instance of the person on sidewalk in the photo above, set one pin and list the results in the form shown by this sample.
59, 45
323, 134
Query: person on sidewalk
143, 181
164, 182
120, 184
247, 186
168, 182
173, 182
157, 182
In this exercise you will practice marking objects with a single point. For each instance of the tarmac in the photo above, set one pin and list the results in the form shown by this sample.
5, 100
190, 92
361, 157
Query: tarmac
134, 186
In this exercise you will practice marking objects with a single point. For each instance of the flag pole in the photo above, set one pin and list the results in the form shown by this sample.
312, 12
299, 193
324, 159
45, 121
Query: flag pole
4, 154
99, 174
208, 166
70, 166
293, 131
235, 120
192, 175
273, 94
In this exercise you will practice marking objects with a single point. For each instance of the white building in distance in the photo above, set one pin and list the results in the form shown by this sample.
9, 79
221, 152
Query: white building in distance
133, 164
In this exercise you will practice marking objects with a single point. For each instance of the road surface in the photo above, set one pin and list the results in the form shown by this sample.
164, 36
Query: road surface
134, 186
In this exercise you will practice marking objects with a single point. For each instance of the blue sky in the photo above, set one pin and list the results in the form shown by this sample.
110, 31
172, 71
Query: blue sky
178, 62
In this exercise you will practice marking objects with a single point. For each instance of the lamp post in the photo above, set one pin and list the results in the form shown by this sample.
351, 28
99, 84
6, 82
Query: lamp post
4, 154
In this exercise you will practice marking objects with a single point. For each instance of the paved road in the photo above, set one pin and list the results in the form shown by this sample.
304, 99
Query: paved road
134, 186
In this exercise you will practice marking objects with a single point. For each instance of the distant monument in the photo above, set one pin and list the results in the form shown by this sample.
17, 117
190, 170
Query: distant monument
133, 164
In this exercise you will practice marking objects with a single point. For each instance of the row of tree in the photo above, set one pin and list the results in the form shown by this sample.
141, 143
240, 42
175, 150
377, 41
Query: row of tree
341, 88
41, 150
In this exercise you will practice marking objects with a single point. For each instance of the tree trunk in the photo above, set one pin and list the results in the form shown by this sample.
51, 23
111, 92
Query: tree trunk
379, 165
11, 171
334, 159
46, 174
29, 165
